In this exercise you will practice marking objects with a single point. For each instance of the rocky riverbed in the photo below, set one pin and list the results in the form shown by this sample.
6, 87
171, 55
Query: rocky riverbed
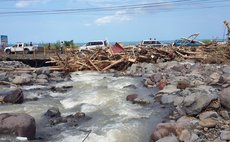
198, 96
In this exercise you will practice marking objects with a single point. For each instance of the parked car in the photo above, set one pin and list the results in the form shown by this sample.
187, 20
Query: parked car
95, 44
187, 42
152, 43
21, 47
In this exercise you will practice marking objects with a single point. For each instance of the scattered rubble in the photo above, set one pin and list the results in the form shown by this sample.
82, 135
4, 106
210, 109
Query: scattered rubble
124, 57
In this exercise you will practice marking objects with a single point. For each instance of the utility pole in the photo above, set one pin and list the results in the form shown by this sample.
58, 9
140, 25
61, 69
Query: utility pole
228, 34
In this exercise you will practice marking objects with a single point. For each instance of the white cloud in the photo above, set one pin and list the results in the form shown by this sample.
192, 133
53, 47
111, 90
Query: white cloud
118, 17
26, 3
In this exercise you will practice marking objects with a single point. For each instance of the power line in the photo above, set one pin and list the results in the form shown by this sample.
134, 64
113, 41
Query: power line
146, 6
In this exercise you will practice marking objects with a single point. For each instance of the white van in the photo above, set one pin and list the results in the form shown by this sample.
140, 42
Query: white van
95, 44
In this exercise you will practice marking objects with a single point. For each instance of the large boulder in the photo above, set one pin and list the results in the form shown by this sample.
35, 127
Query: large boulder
196, 102
225, 98
19, 124
11, 95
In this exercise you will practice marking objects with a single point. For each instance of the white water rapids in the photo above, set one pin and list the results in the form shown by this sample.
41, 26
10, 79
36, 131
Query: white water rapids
102, 97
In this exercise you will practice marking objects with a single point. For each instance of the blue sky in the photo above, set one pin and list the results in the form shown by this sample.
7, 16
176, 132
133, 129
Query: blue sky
163, 20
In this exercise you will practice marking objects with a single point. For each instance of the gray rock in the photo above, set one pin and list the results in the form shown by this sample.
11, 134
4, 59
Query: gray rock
196, 102
225, 97
188, 122
23, 79
226, 69
56, 74
43, 70
3, 76
42, 76
169, 89
178, 100
168, 139
11, 95
41, 81
134, 69
225, 135
34, 75
12, 64
179, 68
226, 77
167, 99
53, 112
224, 114
18, 124
208, 114
189, 100
38, 71
185, 92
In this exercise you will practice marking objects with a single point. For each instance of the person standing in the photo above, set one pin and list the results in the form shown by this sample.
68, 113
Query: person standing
62, 48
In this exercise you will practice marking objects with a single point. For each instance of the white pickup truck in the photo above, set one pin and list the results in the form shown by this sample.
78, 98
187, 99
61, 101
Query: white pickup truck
21, 47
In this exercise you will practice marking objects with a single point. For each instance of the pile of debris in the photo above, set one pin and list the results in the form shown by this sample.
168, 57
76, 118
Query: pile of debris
120, 58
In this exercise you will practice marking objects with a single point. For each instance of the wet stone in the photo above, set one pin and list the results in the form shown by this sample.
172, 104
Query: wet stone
53, 112
131, 97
